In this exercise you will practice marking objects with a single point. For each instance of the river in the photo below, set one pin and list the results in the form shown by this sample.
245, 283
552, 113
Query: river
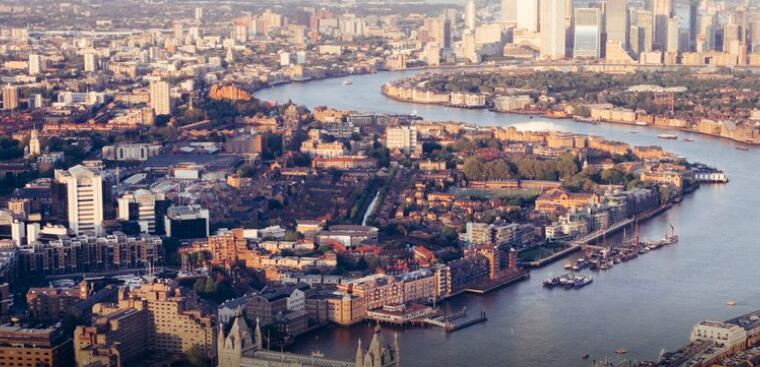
643, 305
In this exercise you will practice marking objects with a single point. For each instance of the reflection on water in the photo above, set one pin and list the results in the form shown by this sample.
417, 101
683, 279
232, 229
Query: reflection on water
642, 306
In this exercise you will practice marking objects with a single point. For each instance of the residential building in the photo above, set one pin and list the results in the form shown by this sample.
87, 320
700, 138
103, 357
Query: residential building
48, 347
160, 98
83, 190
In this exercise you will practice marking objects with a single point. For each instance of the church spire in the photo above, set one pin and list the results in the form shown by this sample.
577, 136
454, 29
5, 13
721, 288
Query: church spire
359, 354
259, 339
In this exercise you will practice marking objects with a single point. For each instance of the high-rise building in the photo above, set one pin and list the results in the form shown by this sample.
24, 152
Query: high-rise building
403, 138
160, 99
617, 22
509, 11
140, 206
10, 97
90, 63
645, 25
662, 10
198, 14
754, 36
672, 42
553, 30
35, 64
84, 192
706, 33
527, 15
470, 15
588, 33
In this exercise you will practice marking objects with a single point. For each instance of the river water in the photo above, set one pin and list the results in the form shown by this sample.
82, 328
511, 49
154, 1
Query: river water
643, 306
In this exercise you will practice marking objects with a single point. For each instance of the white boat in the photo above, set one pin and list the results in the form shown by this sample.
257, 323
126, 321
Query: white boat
731, 303
348, 82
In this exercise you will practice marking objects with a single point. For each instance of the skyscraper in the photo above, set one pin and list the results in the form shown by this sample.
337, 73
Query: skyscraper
663, 10
83, 188
617, 22
509, 10
588, 22
671, 42
553, 29
645, 23
160, 99
527, 15
706, 33
35, 64
469, 15
10, 97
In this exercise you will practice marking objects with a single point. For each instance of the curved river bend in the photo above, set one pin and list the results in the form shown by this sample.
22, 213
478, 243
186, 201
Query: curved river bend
643, 306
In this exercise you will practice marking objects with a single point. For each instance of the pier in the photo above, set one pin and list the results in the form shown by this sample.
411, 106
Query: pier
448, 324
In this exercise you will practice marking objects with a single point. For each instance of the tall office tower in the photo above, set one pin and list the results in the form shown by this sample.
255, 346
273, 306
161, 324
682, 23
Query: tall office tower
645, 23
10, 97
160, 99
35, 64
469, 47
83, 189
588, 33
693, 23
179, 30
671, 43
754, 36
706, 33
617, 22
140, 206
90, 63
509, 11
469, 15
663, 10
446, 33
731, 38
527, 15
198, 14
553, 29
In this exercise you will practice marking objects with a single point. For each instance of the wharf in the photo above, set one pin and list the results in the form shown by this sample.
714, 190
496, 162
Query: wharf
492, 285
448, 325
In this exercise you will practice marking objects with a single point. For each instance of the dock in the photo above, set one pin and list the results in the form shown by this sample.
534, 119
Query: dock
448, 324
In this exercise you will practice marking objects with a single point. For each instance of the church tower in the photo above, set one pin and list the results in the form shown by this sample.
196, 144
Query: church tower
35, 148
232, 345
379, 354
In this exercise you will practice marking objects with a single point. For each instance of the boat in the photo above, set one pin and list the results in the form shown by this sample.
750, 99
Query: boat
688, 140
667, 136
731, 303
742, 148
348, 82
568, 265
641, 123
585, 356
621, 351
317, 354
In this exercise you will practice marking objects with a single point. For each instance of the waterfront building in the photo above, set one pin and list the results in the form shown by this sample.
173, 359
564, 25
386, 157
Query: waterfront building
10, 97
83, 191
588, 33
48, 347
617, 22
556, 200
731, 336
160, 98
553, 31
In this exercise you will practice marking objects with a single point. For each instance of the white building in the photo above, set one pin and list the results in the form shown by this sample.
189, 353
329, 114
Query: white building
90, 63
403, 138
35, 64
160, 98
470, 15
140, 206
527, 15
725, 334
130, 152
84, 198
553, 29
